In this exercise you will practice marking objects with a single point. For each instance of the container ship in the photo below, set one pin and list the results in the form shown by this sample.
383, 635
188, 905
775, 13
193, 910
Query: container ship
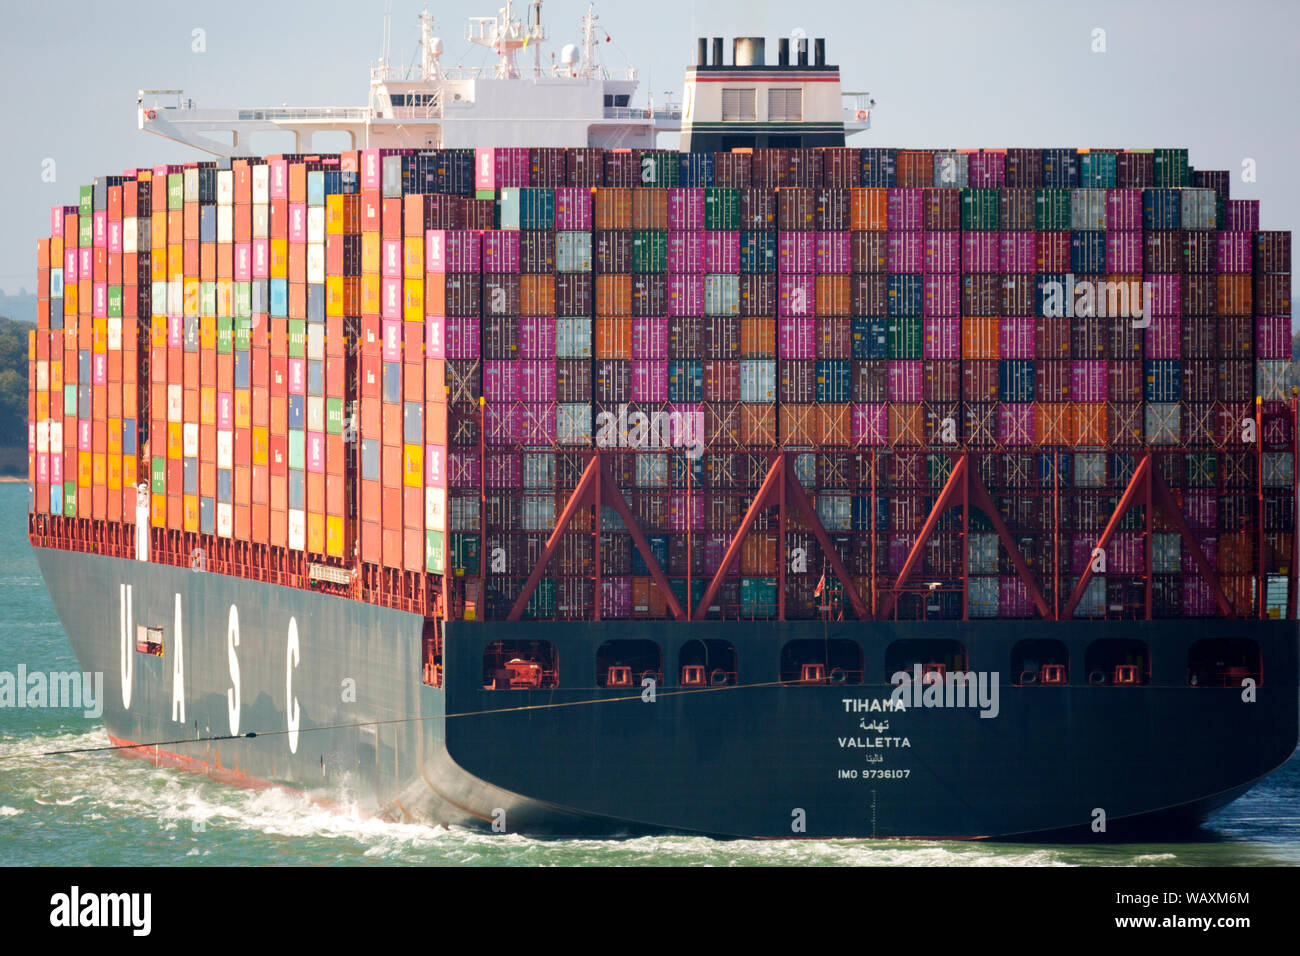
523, 475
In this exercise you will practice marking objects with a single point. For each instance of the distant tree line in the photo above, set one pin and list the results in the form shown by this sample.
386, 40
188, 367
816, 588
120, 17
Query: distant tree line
13, 383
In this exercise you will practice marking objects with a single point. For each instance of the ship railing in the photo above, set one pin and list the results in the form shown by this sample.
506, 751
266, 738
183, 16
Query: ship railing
636, 113
460, 73
316, 113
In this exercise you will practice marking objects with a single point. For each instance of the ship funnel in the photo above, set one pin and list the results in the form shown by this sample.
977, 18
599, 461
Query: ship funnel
819, 51
702, 52
802, 47
783, 51
717, 51
747, 51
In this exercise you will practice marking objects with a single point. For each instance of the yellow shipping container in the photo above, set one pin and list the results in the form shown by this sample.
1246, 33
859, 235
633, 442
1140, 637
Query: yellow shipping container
413, 466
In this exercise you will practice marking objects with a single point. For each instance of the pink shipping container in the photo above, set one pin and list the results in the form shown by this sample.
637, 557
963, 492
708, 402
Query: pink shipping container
537, 381
243, 261
56, 222
797, 295
905, 380
391, 259
616, 597
1015, 423
1124, 210
452, 251
501, 251
261, 259
722, 252
1273, 337
1164, 337
573, 208
1233, 252
650, 380
536, 337
537, 424
462, 469
685, 512
501, 381
435, 466
462, 337
1201, 508
370, 174
686, 253
906, 252
797, 338
869, 424
986, 170
1124, 252
797, 252
225, 410
85, 260
1166, 295
391, 331
900, 546
503, 471
1088, 380
1015, 338
905, 210
297, 222
834, 252
99, 369
715, 549
943, 252
685, 209
1013, 598
1241, 215
685, 294
512, 167
1198, 599
501, 422
941, 338
650, 338
980, 252
1017, 252
942, 294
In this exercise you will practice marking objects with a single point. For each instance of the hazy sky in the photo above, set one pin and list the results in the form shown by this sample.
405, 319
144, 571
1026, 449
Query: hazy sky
1219, 78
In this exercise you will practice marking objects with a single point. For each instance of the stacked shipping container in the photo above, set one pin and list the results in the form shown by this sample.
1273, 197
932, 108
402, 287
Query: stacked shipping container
480, 322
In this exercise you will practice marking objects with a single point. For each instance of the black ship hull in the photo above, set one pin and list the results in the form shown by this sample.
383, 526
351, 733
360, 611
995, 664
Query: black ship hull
334, 691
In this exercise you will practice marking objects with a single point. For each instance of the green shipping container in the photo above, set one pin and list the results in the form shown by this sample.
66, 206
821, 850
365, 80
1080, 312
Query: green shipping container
905, 338
721, 209
297, 448
243, 328
334, 416
85, 232
661, 169
244, 300
650, 251
1052, 210
433, 552
87, 201
526, 208
297, 338
225, 335
979, 209
541, 604
175, 191
1203, 469
464, 553
208, 298
1097, 170
69, 499
158, 476
938, 467
758, 594
1171, 169
115, 302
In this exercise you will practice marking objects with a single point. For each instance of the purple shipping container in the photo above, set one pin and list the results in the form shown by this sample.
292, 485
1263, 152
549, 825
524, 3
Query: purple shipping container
1241, 215
942, 295
869, 423
906, 252
942, 338
649, 380
573, 209
1016, 338
501, 381
1166, 295
501, 251
715, 549
834, 252
796, 296
685, 209
462, 469
1124, 252
537, 381
1015, 423
900, 546
536, 423
797, 338
1164, 337
686, 253
1088, 380
685, 512
1273, 337
616, 597
451, 251
462, 337
1201, 508
1198, 599
536, 337
986, 170
503, 471
501, 422
797, 252
1124, 209
1233, 252
1013, 598
722, 252
1017, 252
650, 338
685, 294
905, 380
980, 252
512, 166
1209, 545
905, 211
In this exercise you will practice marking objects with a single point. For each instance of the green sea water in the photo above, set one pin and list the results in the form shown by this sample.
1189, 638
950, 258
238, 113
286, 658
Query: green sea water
101, 809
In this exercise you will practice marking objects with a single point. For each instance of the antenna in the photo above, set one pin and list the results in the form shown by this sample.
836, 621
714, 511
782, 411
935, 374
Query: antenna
388, 29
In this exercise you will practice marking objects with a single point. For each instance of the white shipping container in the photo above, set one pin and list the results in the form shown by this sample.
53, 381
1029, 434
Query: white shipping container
261, 184
805, 469
435, 509
261, 221
835, 512
225, 520
982, 596
297, 529
951, 169
1278, 470
225, 224
1166, 553
43, 375
539, 469
315, 413
573, 423
315, 341
114, 335
190, 440
722, 295
758, 380
1164, 423
43, 436
1089, 469
225, 448
190, 185
1273, 380
1093, 602
651, 471
316, 224
573, 252
130, 235
572, 338
175, 403
56, 436
316, 262
464, 514
983, 554
1087, 209
538, 513
1200, 207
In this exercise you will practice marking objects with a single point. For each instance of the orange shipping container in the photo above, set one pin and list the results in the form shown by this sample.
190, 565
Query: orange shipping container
613, 208
614, 338
906, 424
979, 338
1090, 423
835, 420
613, 295
757, 338
868, 210
1055, 423
1234, 294
833, 295
800, 424
757, 425
537, 295
649, 209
